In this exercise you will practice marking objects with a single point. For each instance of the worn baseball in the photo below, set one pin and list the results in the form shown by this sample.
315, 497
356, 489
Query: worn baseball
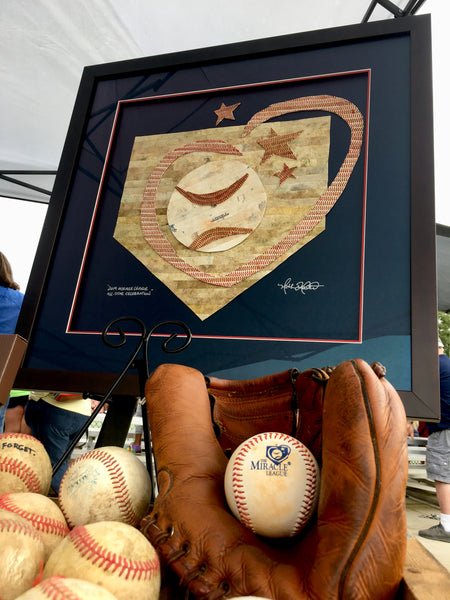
24, 464
113, 555
66, 588
272, 484
21, 555
106, 484
43, 514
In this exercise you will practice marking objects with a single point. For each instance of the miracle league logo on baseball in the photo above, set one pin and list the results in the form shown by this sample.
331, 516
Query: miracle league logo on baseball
274, 463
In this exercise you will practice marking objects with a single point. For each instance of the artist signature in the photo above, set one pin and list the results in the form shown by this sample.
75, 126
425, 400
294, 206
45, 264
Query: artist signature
299, 286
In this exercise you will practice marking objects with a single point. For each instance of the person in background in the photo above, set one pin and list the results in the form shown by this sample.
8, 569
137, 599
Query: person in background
11, 299
438, 454
15, 413
55, 419
412, 429
137, 443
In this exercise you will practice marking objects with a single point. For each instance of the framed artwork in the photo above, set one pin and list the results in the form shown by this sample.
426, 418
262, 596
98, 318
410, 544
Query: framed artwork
275, 196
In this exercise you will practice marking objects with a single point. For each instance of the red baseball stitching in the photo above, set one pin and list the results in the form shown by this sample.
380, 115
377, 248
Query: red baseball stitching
239, 490
311, 489
56, 589
213, 198
217, 233
21, 436
118, 481
106, 560
14, 526
39, 522
23, 472
237, 484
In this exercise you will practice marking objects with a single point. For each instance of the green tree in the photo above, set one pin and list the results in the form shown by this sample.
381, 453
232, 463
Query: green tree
444, 330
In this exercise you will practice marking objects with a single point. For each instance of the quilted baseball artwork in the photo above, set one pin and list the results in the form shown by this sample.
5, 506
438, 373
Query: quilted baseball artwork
352, 421
249, 196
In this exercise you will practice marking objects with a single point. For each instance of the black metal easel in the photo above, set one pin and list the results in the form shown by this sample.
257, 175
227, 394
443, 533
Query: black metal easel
121, 408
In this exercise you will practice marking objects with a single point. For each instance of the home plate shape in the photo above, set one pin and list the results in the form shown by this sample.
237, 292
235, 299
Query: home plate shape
210, 212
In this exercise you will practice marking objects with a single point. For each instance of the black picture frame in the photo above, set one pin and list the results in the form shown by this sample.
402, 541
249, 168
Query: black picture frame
390, 316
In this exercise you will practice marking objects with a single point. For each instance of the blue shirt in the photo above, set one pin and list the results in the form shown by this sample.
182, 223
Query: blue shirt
10, 305
444, 374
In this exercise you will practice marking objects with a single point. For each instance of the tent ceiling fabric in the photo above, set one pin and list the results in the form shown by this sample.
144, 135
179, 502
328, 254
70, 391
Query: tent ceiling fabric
45, 45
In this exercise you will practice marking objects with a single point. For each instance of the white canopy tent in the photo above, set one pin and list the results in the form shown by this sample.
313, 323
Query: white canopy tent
45, 44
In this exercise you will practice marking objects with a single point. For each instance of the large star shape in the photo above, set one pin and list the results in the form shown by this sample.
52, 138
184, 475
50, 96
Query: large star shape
285, 173
226, 112
278, 145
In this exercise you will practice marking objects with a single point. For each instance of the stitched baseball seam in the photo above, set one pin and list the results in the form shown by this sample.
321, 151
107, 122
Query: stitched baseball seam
21, 436
310, 487
56, 589
214, 198
40, 522
217, 233
237, 483
108, 561
239, 490
23, 472
13, 526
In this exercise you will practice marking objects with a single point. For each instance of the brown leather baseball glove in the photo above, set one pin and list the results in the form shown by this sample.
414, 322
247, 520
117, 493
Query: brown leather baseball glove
352, 420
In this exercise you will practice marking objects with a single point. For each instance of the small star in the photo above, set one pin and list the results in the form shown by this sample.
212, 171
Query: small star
285, 173
226, 112
277, 145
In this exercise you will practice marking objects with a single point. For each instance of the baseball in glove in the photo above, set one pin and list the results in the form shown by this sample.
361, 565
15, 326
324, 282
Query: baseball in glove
352, 420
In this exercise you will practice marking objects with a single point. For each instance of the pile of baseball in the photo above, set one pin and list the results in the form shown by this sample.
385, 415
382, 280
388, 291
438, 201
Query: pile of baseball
83, 545
86, 544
